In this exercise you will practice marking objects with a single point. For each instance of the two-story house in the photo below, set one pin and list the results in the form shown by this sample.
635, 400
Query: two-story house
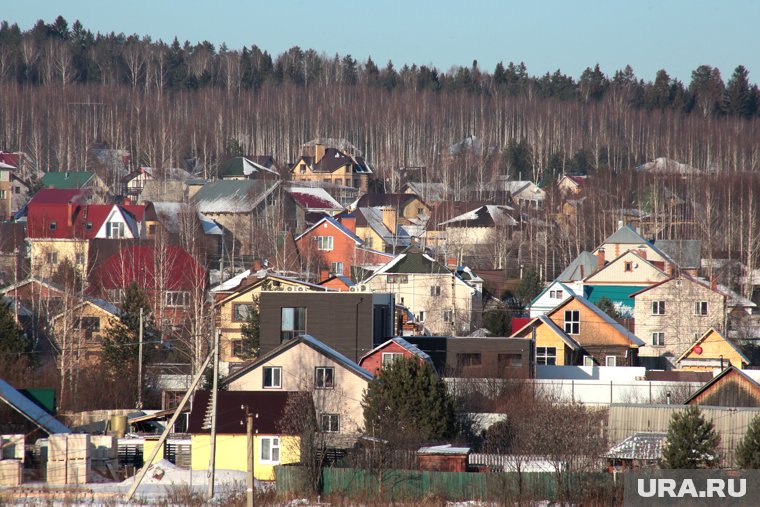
331, 165
625, 238
13, 191
673, 314
439, 298
78, 332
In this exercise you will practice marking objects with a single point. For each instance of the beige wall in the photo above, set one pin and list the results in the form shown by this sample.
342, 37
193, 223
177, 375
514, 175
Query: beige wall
680, 324
642, 272
64, 248
343, 173
298, 365
76, 340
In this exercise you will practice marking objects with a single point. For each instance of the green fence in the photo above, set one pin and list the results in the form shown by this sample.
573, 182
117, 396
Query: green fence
412, 484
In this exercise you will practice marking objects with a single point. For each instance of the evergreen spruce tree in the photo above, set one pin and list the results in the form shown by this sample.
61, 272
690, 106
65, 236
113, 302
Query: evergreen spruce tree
251, 332
408, 399
13, 343
529, 287
748, 450
120, 341
691, 441
606, 305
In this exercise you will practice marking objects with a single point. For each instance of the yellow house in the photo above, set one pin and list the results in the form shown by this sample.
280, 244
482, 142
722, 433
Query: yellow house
330, 165
712, 350
236, 303
78, 331
273, 445
304, 364
48, 253
600, 339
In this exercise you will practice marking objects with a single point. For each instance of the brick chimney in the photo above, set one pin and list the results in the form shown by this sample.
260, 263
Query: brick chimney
451, 263
714, 282
389, 218
349, 222
318, 152
256, 265
600, 258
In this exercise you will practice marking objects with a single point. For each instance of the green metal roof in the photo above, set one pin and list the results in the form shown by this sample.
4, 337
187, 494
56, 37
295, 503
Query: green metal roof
616, 293
417, 262
67, 180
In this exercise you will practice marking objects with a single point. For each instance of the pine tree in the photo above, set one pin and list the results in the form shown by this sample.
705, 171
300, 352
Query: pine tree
120, 341
407, 399
529, 287
748, 450
606, 305
691, 441
251, 332
13, 343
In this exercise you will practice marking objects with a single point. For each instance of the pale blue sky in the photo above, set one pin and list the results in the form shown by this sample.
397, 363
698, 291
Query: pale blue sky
677, 35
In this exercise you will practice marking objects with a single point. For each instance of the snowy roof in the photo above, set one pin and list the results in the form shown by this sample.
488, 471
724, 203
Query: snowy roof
640, 446
241, 166
337, 225
233, 282
105, 305
444, 449
210, 227
374, 217
314, 198
490, 215
664, 165
430, 192
233, 196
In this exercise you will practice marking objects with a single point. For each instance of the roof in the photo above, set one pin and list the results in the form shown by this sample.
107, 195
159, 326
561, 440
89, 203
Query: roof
233, 196
687, 253
241, 166
490, 215
334, 159
707, 333
67, 179
30, 410
373, 217
718, 377
543, 319
313, 198
639, 446
680, 276
58, 196
335, 224
269, 406
444, 449
581, 267
167, 190
432, 192
138, 263
309, 341
555, 283
414, 349
243, 286
620, 258
664, 165
395, 200
414, 261
625, 235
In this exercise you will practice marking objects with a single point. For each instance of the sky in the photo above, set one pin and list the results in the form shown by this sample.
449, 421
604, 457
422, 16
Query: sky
570, 35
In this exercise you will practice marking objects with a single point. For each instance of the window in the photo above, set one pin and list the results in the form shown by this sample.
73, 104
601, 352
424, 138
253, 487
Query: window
559, 294
80, 258
546, 355
241, 311
324, 243
53, 226
509, 361
303, 169
468, 360
272, 377
2, 194
324, 377
356, 183
553, 294
89, 325
240, 349
397, 279
610, 361
389, 357
115, 295
18, 190
270, 450
88, 226
293, 323
448, 315
51, 257
420, 211
572, 321
177, 298
588, 361
658, 339
628, 266
115, 230
339, 182
336, 268
152, 229
421, 316
435, 290
700, 308
330, 423
658, 307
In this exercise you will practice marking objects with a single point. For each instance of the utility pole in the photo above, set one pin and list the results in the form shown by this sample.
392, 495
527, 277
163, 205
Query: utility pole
139, 362
251, 481
212, 460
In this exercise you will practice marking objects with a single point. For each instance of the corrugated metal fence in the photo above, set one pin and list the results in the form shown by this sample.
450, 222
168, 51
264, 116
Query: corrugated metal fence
395, 485
730, 423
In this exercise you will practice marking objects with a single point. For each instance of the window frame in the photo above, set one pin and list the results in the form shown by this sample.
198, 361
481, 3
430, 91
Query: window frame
701, 308
658, 339
334, 268
235, 306
469, 359
274, 445
333, 420
659, 308
607, 361
435, 290
543, 356
320, 381
571, 325
295, 330
325, 243
388, 357
272, 369
171, 296
588, 359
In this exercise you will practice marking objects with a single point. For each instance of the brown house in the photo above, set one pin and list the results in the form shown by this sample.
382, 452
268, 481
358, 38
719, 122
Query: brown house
730, 388
331, 165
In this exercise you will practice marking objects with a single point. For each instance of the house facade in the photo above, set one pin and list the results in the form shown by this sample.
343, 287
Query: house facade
331, 165
78, 332
712, 350
551, 297
387, 352
672, 315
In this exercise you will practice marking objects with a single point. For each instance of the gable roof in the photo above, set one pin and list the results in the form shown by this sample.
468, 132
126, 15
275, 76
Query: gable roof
67, 179
543, 319
313, 198
581, 267
335, 224
489, 215
396, 200
373, 218
639, 446
414, 349
680, 276
702, 338
233, 196
59, 196
427, 191
31, 410
552, 285
625, 235
413, 261
269, 407
334, 159
619, 258
687, 253
603, 317
718, 378
242, 166
311, 342
244, 287
102, 304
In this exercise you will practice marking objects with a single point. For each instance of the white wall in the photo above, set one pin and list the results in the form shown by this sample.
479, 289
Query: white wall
607, 373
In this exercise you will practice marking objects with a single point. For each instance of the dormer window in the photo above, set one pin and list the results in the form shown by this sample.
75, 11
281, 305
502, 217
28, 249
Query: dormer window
53, 226
88, 226
628, 267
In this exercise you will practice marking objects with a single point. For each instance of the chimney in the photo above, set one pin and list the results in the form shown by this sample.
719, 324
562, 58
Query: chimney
70, 214
349, 222
600, 258
318, 152
127, 201
642, 253
451, 263
620, 224
256, 265
714, 282
389, 218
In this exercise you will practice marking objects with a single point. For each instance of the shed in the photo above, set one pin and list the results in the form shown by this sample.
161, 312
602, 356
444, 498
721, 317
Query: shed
642, 449
443, 458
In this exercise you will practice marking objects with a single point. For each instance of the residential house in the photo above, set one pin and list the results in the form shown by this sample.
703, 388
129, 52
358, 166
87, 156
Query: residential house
577, 332
430, 192
665, 166
409, 208
12, 252
673, 314
44, 300
387, 352
481, 236
272, 444
73, 180
238, 206
712, 350
625, 238
243, 168
582, 266
233, 310
331, 247
331, 165
13, 192
435, 233
337, 282
378, 228
640, 450
478, 357
305, 364
440, 299
551, 297
78, 331
572, 184
627, 274
353, 323
525, 193
731, 388
303, 206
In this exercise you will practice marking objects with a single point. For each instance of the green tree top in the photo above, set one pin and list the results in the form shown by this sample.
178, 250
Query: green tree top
748, 450
529, 287
120, 342
13, 343
691, 441
407, 399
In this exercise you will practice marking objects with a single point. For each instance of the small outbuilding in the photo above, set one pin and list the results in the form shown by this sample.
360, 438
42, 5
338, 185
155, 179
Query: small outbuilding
443, 458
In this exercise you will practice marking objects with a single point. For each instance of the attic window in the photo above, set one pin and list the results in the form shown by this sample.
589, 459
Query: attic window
53, 226
88, 226
628, 266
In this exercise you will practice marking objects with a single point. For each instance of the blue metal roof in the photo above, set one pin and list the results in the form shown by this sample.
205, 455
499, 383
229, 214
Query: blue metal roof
30, 410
